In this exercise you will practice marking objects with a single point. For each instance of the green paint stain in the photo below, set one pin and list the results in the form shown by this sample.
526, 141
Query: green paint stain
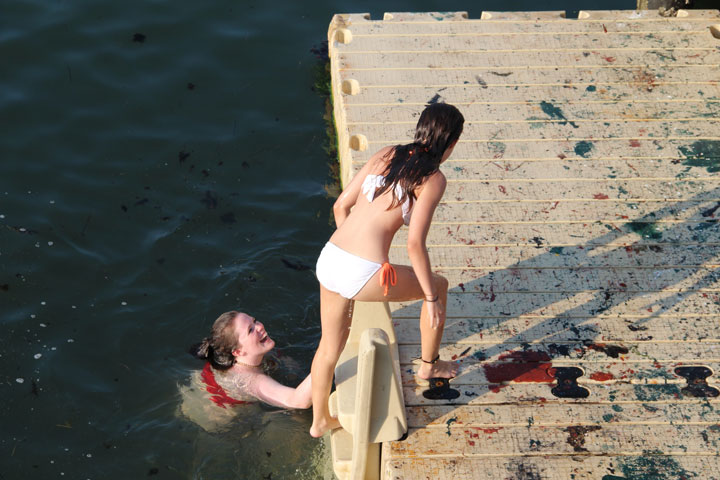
646, 230
704, 154
591, 88
653, 466
613, 477
450, 422
620, 189
556, 250
617, 408
608, 416
583, 148
555, 113
536, 122
652, 393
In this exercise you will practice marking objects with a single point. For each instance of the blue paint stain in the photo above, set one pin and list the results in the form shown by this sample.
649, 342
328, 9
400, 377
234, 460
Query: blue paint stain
555, 113
703, 153
584, 148
591, 88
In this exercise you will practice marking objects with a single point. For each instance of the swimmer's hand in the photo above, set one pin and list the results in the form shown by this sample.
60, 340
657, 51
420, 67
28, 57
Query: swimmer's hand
434, 310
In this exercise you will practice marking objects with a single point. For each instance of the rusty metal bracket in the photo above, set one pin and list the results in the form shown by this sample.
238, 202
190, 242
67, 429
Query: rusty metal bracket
697, 385
567, 386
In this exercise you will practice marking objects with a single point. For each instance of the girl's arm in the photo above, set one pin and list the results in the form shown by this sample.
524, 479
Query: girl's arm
349, 196
275, 393
429, 197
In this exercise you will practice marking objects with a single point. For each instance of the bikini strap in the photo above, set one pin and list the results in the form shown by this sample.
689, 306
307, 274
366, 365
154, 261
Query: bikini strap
388, 276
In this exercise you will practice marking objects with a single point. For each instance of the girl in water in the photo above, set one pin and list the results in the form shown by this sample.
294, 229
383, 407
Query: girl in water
234, 371
397, 184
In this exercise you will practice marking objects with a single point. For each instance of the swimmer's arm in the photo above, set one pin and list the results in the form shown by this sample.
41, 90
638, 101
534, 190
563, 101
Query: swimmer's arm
422, 214
349, 196
275, 393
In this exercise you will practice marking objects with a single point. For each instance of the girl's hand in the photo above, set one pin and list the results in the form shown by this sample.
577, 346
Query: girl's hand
434, 310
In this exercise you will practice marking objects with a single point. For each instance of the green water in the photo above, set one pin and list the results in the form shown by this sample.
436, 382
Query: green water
159, 162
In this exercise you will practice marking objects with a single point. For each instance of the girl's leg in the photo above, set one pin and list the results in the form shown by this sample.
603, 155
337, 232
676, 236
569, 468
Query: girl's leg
408, 288
335, 320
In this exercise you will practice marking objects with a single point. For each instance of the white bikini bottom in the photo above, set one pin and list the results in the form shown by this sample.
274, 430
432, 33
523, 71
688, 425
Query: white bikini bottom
342, 272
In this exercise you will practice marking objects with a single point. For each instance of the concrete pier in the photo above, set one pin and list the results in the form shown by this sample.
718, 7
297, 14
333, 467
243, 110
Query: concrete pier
579, 232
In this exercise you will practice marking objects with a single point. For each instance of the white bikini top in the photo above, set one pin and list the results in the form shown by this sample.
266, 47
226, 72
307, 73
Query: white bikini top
373, 182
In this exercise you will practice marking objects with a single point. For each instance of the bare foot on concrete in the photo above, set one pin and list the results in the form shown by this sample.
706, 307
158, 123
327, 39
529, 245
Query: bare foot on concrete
440, 369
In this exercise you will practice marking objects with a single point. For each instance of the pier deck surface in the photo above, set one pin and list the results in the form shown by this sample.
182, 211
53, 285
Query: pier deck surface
578, 229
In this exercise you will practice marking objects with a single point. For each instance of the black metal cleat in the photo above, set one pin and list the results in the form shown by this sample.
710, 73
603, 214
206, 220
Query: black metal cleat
567, 386
697, 385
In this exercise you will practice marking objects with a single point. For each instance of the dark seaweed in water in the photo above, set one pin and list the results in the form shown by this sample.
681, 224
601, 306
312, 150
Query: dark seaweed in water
294, 265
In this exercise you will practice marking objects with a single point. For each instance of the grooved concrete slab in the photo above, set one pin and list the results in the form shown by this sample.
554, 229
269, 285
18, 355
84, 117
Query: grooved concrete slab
578, 230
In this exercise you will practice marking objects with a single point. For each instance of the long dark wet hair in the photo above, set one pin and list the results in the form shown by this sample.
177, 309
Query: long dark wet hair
439, 126
218, 347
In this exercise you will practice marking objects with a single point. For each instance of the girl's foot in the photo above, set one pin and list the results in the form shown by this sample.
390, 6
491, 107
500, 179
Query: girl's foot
439, 369
323, 425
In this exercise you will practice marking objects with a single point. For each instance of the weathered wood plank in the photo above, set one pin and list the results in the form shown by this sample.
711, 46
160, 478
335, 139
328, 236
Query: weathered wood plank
605, 210
583, 440
587, 234
559, 330
543, 414
585, 304
636, 86
500, 58
648, 465
586, 41
488, 259
539, 393
629, 134
571, 149
595, 353
538, 112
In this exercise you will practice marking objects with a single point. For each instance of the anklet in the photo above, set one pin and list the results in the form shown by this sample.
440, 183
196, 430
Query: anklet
433, 361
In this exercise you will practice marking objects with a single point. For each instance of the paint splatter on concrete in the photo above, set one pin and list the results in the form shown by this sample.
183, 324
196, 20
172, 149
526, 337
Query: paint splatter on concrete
584, 148
654, 466
524, 366
703, 153
645, 229
555, 113
613, 351
653, 393
576, 437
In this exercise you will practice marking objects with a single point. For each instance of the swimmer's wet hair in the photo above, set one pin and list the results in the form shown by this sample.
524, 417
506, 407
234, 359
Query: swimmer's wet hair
440, 125
218, 347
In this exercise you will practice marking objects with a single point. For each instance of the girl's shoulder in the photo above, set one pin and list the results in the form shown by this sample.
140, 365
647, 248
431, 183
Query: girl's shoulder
435, 182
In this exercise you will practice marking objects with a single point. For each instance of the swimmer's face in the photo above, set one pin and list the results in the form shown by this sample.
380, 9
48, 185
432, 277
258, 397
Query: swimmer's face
252, 337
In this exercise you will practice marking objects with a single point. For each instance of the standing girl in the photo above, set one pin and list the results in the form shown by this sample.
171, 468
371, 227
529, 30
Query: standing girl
399, 184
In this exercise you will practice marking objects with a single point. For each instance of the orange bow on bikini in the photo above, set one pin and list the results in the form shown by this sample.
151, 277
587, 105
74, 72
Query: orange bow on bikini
388, 276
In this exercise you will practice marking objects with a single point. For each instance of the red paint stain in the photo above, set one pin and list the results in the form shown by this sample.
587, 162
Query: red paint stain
502, 189
609, 59
602, 376
634, 143
600, 196
490, 430
471, 443
525, 366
